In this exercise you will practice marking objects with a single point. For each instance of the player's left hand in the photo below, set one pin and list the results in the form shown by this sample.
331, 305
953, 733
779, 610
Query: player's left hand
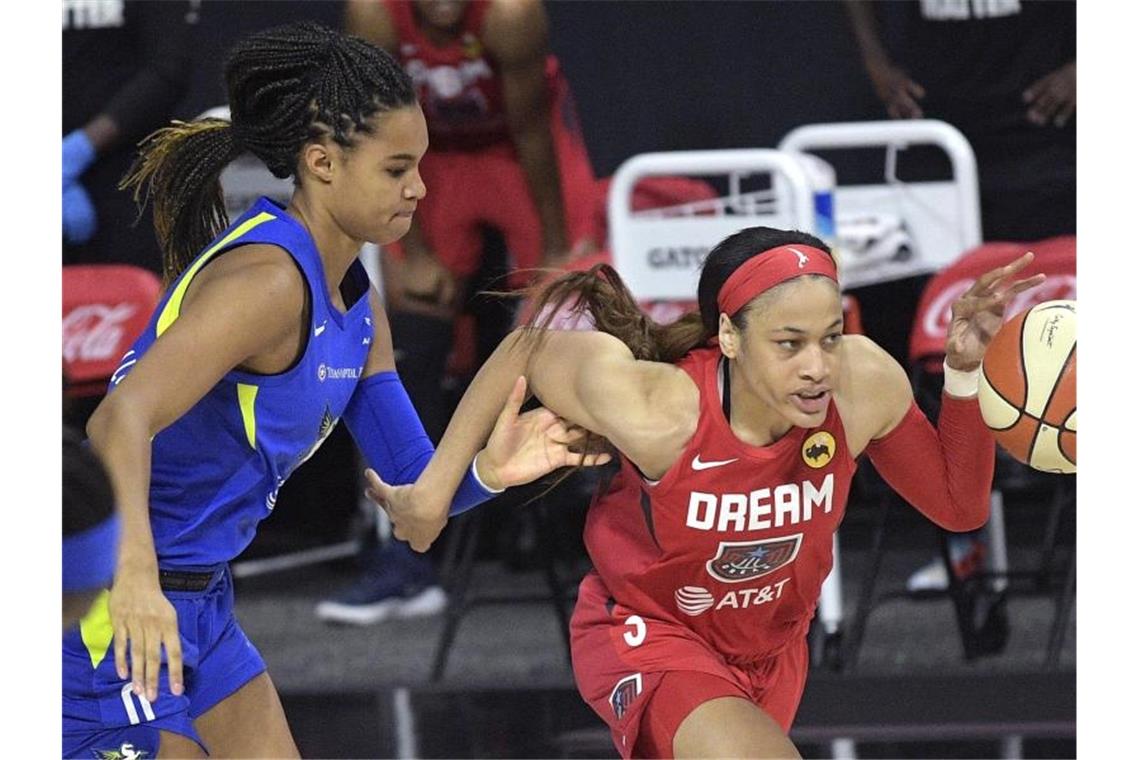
1053, 97
524, 447
979, 312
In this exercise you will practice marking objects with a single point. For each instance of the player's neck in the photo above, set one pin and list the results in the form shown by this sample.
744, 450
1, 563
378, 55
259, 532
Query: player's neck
440, 37
752, 419
336, 249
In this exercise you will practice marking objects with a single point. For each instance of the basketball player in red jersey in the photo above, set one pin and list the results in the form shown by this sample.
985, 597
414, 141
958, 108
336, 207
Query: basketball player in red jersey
738, 428
506, 151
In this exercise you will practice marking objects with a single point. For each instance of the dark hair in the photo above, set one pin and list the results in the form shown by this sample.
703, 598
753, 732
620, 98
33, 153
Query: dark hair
287, 85
601, 292
87, 496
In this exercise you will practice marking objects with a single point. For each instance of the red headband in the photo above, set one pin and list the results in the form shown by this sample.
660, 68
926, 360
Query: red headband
768, 269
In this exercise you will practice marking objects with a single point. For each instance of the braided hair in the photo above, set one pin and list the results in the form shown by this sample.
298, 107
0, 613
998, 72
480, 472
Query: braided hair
287, 86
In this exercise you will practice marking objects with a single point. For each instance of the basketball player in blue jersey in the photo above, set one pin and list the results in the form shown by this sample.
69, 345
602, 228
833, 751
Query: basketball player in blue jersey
267, 335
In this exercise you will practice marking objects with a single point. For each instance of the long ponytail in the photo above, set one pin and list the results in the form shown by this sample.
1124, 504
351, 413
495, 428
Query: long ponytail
178, 168
600, 292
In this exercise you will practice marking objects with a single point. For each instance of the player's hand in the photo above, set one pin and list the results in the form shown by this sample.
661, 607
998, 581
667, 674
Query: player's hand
899, 93
415, 518
418, 283
78, 154
79, 220
1053, 97
144, 618
979, 312
424, 279
524, 447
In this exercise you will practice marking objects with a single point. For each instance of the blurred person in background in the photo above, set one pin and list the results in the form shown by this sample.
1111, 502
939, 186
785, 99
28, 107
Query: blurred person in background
126, 65
1005, 74
90, 528
506, 154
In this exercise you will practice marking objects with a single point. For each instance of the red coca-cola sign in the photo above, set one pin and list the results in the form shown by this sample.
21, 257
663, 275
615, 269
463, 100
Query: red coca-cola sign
1056, 258
105, 307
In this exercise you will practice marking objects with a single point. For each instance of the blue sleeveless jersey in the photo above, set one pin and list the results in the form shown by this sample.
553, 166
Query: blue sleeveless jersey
215, 472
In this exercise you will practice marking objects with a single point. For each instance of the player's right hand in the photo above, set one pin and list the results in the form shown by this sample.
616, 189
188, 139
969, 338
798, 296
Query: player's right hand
420, 284
426, 279
412, 520
144, 618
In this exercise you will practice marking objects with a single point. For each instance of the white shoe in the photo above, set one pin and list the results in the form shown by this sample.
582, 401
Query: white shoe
430, 600
929, 578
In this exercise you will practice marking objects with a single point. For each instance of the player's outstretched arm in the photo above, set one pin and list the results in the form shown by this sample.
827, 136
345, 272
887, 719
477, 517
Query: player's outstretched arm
388, 431
589, 379
946, 472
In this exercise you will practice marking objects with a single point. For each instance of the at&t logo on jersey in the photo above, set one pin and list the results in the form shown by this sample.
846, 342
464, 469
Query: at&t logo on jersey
738, 561
693, 600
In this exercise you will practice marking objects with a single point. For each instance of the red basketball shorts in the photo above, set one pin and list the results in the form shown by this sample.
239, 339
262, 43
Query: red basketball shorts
644, 676
470, 189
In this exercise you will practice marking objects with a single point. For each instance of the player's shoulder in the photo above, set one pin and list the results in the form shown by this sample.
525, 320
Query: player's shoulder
865, 361
258, 273
873, 388
515, 28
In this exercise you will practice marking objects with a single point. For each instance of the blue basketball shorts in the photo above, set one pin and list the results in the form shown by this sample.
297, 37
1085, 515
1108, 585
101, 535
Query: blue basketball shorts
103, 718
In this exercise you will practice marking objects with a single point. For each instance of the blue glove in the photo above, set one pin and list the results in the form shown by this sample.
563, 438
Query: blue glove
78, 214
78, 153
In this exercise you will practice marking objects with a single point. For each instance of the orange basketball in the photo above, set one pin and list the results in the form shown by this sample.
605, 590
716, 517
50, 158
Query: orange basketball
1028, 389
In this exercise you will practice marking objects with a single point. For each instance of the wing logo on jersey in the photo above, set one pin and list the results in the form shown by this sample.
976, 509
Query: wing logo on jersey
818, 449
126, 751
738, 561
625, 693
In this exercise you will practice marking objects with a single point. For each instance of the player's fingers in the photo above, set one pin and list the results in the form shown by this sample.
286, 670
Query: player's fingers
542, 418
120, 641
375, 488
138, 659
153, 662
915, 88
174, 661
592, 460
514, 401
1020, 286
1064, 114
990, 279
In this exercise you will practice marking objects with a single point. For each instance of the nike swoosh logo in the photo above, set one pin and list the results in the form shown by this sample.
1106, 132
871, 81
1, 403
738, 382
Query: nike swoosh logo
319, 330
699, 465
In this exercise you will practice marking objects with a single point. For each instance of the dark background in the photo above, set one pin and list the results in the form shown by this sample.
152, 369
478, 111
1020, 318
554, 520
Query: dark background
647, 76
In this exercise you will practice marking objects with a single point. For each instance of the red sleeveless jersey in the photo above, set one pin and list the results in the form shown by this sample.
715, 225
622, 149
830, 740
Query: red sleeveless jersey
734, 541
457, 85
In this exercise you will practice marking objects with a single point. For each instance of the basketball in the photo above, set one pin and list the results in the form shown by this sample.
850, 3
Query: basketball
1028, 388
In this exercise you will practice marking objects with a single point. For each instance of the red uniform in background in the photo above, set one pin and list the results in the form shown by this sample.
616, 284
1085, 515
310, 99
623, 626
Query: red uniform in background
471, 170
715, 570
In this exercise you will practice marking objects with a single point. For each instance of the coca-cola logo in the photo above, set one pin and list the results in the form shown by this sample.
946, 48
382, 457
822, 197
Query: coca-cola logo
94, 332
936, 319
